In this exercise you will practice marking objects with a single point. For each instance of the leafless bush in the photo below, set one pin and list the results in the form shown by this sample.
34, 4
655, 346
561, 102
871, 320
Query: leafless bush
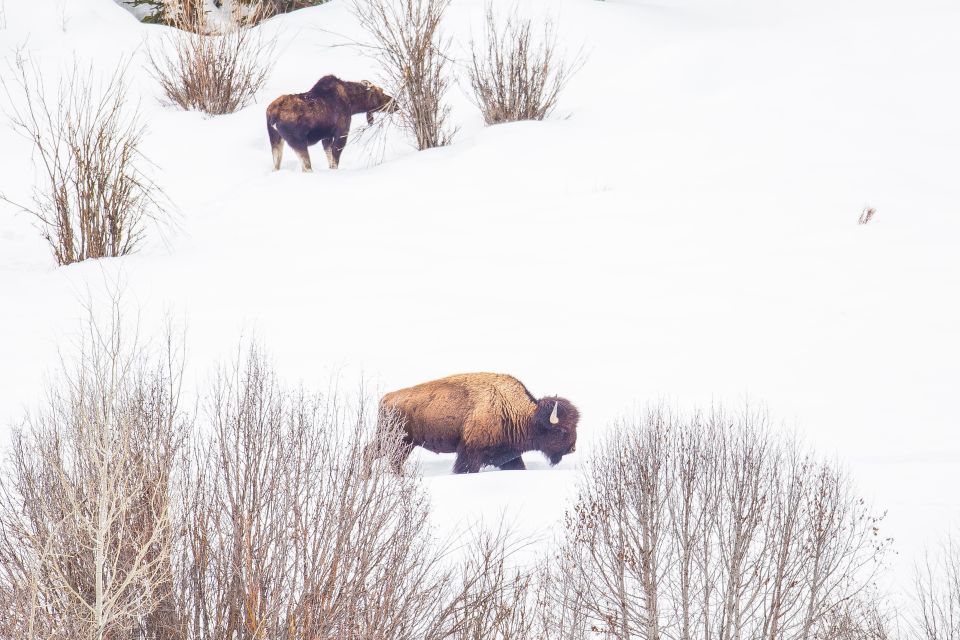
514, 74
866, 215
860, 618
95, 199
406, 40
937, 587
85, 499
285, 533
714, 527
213, 72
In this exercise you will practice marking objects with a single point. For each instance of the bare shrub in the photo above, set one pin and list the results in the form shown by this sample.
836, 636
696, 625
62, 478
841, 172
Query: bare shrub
714, 527
85, 498
201, 69
937, 590
94, 200
407, 42
286, 534
514, 74
866, 215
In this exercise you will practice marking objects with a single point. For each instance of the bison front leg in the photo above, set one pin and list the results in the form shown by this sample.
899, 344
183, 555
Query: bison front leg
513, 465
468, 460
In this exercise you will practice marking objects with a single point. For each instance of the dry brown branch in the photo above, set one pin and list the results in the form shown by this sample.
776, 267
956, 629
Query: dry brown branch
94, 200
866, 215
514, 74
213, 72
406, 40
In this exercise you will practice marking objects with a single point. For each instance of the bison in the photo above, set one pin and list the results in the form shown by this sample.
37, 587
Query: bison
322, 115
485, 418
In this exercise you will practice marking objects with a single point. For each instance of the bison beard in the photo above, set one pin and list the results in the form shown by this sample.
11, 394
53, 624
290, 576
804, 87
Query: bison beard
322, 115
485, 418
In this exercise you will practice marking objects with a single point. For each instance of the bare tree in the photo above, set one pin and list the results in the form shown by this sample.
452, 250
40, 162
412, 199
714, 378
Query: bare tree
85, 499
406, 40
937, 589
712, 527
214, 71
95, 198
514, 74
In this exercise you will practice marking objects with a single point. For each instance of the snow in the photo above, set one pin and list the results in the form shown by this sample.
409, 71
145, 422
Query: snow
682, 231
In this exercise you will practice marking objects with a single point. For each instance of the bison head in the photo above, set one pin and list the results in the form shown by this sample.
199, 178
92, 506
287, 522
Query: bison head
376, 100
555, 427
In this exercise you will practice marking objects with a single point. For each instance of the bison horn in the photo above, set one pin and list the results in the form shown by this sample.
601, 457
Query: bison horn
553, 416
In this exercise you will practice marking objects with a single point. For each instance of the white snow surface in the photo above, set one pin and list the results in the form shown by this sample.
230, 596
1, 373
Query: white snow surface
684, 230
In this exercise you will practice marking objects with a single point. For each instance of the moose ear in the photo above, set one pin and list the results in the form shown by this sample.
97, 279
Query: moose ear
367, 84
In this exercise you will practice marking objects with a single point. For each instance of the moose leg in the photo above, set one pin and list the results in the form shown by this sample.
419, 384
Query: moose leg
328, 147
468, 460
513, 465
276, 145
304, 158
277, 155
339, 142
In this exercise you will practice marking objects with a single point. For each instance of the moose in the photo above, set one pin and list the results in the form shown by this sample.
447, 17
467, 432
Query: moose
322, 114
485, 418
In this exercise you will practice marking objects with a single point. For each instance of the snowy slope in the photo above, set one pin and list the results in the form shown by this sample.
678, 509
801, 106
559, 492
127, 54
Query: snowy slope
686, 234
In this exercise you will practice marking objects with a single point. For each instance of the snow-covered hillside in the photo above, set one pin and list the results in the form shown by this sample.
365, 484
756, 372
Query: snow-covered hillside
684, 231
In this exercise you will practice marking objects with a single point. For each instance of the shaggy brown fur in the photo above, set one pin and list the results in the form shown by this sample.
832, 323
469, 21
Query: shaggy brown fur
486, 418
322, 115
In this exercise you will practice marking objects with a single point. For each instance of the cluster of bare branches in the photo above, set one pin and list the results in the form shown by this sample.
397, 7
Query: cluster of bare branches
123, 519
405, 38
514, 74
287, 535
937, 589
713, 527
94, 199
85, 500
216, 71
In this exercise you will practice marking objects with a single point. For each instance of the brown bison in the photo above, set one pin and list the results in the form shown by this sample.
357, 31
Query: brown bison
322, 115
486, 418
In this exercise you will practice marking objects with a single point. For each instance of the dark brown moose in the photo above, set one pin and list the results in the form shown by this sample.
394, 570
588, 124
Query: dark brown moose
486, 418
322, 115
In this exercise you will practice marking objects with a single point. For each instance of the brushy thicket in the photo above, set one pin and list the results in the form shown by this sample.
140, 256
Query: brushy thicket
94, 199
216, 71
124, 517
516, 74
